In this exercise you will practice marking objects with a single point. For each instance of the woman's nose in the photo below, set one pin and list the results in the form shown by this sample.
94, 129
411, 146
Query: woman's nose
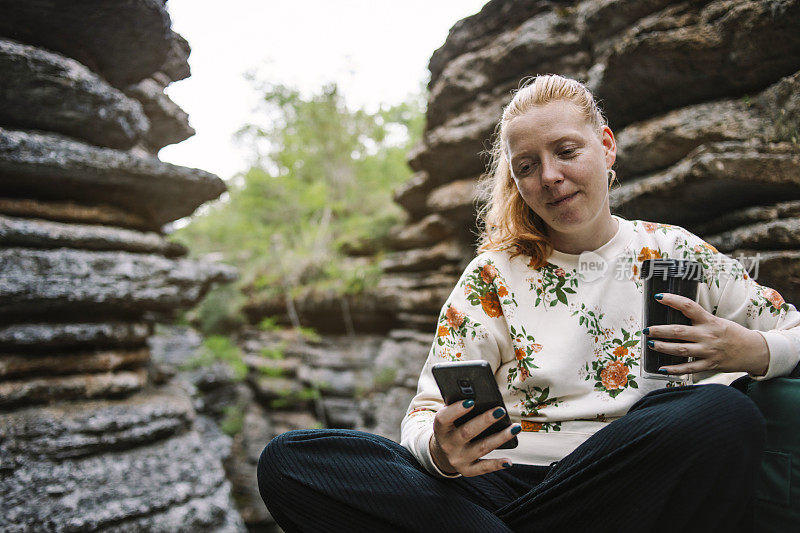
551, 173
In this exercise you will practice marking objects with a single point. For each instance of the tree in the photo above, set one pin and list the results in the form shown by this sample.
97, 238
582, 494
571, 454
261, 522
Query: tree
319, 185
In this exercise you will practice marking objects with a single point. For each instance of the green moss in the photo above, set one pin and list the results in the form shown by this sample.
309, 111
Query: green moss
220, 311
309, 393
276, 353
306, 393
385, 378
218, 349
309, 334
232, 420
280, 403
268, 323
273, 372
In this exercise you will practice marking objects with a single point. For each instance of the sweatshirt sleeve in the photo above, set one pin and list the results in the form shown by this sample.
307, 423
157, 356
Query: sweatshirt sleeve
471, 326
730, 292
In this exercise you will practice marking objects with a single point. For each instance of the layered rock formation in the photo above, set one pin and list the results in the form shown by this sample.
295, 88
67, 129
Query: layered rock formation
290, 381
704, 99
90, 437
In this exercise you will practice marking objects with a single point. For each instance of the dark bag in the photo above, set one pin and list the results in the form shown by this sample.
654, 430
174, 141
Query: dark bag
777, 506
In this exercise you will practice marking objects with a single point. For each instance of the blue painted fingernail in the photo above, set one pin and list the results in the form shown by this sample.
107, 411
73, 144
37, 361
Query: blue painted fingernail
663, 371
468, 403
516, 429
498, 412
646, 331
506, 465
651, 344
658, 296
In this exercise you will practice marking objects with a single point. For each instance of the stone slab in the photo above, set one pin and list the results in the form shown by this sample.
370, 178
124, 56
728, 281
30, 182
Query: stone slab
66, 280
123, 40
45, 389
169, 124
735, 174
67, 211
43, 90
33, 233
44, 336
175, 484
692, 52
54, 167
16, 365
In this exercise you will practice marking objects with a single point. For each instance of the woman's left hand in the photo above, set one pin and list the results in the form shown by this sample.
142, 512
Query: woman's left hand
716, 343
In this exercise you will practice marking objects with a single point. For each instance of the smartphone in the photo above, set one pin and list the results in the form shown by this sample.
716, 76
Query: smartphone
474, 380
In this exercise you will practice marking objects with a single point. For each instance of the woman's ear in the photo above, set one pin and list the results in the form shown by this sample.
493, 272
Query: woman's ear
609, 146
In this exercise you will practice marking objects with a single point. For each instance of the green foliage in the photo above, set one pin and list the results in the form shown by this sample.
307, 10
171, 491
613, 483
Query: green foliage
219, 349
309, 393
181, 318
288, 398
273, 372
232, 420
274, 352
268, 323
320, 183
309, 334
219, 313
280, 403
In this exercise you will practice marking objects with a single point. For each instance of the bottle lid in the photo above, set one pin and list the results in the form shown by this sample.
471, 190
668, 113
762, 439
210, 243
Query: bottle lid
672, 268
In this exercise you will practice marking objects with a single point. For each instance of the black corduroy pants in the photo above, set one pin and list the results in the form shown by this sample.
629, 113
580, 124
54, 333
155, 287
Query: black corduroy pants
682, 459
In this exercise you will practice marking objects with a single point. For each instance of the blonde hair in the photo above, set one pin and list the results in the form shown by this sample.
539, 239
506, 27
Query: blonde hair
506, 219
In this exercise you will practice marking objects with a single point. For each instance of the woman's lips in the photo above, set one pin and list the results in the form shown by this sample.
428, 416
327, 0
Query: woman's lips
565, 200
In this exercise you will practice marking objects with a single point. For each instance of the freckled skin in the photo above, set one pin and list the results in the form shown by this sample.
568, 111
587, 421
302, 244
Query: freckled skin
552, 152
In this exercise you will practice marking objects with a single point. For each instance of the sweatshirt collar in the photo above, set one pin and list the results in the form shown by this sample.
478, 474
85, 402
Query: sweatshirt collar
615, 246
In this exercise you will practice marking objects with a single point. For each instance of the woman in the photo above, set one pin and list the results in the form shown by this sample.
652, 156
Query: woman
600, 448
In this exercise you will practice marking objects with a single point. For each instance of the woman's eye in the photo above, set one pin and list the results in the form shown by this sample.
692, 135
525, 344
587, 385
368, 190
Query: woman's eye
524, 168
568, 151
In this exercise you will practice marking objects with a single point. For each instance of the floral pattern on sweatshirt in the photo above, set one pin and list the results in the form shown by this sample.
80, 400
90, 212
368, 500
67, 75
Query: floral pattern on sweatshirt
553, 285
718, 267
525, 346
767, 300
616, 353
713, 263
453, 327
547, 427
484, 287
653, 227
533, 399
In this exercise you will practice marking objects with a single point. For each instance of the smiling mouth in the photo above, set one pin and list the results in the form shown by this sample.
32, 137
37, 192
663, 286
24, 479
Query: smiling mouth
564, 200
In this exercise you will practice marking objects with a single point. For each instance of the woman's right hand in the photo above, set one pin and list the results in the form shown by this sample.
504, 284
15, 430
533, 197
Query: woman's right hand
451, 448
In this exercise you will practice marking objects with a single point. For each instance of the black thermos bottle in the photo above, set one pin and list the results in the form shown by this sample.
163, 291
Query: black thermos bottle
676, 276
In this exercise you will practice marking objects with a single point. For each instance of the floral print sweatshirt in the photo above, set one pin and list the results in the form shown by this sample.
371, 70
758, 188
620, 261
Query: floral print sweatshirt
565, 344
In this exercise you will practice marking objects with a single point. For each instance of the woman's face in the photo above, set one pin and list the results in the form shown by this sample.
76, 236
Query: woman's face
554, 153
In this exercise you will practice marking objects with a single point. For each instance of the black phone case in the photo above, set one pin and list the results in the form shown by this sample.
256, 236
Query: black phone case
484, 391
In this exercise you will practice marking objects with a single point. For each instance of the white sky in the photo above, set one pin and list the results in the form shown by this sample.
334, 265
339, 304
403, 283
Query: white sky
376, 50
